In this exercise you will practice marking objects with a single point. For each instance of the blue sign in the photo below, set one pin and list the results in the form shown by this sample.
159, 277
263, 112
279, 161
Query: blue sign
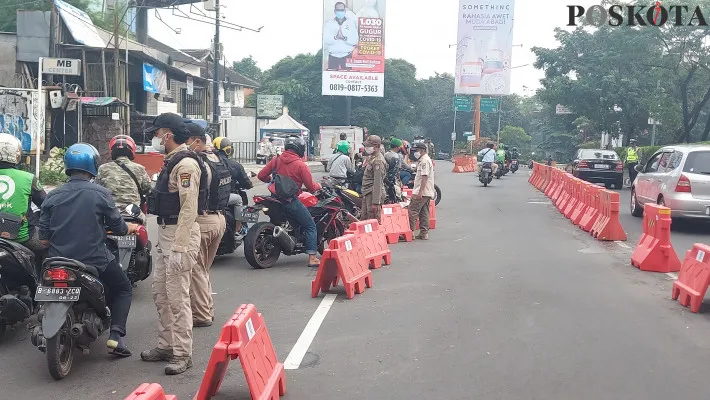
154, 79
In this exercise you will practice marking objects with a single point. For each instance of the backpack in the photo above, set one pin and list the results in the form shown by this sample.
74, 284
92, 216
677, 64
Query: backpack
284, 187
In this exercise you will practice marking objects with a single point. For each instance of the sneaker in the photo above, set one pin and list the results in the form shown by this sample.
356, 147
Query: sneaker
157, 354
423, 236
178, 365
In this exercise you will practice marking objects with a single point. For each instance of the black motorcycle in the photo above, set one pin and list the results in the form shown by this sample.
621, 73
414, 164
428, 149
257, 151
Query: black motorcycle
485, 176
236, 225
352, 201
73, 312
18, 283
132, 251
514, 166
501, 169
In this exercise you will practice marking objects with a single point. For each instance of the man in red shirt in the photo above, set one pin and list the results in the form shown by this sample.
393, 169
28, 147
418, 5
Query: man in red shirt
290, 164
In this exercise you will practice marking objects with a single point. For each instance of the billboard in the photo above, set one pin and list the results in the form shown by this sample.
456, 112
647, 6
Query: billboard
484, 47
354, 48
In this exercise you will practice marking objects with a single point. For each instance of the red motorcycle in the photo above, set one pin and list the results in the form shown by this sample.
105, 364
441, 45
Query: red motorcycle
265, 241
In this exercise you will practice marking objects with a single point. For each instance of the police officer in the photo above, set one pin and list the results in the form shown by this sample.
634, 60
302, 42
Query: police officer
632, 160
240, 181
212, 226
373, 185
179, 195
127, 181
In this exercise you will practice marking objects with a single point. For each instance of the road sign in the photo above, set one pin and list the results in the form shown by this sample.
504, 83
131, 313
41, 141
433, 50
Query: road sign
470, 138
489, 105
225, 111
560, 110
462, 103
453, 135
61, 66
269, 106
468, 133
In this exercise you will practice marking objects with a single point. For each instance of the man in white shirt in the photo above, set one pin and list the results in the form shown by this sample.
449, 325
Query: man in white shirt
488, 155
423, 191
340, 36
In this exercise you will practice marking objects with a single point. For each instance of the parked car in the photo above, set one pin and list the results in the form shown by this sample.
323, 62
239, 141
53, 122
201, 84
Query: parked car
677, 177
598, 166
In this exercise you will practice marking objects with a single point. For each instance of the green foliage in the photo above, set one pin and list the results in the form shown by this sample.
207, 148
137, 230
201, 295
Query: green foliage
247, 67
8, 16
515, 136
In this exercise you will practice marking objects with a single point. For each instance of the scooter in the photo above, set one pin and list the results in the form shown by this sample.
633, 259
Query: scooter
514, 165
486, 174
18, 283
500, 170
132, 251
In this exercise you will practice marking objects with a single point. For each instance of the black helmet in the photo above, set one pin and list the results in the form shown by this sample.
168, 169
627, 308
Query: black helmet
295, 144
490, 145
515, 149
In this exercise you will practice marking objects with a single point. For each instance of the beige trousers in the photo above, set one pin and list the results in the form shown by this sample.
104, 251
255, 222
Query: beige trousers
171, 292
211, 230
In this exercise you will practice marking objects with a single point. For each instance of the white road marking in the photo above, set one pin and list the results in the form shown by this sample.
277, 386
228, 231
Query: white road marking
622, 244
539, 202
672, 275
293, 361
460, 239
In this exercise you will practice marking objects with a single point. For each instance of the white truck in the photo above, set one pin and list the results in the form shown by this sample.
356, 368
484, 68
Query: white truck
330, 135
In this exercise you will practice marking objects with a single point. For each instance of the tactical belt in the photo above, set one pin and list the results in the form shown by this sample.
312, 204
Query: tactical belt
167, 220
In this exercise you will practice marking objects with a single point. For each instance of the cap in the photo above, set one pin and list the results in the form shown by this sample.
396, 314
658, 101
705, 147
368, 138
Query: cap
420, 145
196, 131
373, 140
395, 142
170, 121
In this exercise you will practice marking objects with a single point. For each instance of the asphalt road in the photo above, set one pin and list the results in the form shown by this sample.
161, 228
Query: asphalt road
507, 300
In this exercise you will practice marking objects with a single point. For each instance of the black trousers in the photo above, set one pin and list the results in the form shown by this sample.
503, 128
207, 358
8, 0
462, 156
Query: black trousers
119, 295
632, 171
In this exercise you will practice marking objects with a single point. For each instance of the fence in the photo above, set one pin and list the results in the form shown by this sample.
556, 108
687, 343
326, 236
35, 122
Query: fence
245, 152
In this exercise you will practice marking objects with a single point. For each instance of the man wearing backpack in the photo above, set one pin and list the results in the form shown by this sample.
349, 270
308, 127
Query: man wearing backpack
290, 174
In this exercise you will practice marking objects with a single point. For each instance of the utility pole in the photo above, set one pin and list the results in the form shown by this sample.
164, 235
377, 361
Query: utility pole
477, 118
500, 104
348, 109
116, 56
217, 60
653, 129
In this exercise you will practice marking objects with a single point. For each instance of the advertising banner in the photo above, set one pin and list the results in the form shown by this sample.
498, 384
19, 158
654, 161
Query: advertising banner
484, 47
154, 79
354, 48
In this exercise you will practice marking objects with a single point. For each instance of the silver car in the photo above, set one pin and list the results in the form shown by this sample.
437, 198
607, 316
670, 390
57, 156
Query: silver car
677, 177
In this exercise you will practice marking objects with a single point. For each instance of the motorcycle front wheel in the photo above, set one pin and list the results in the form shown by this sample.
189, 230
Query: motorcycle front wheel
334, 230
261, 248
60, 350
437, 197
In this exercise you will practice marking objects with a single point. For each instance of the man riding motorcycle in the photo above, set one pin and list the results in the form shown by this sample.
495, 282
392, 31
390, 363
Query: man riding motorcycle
128, 181
396, 167
290, 165
340, 165
23, 189
488, 155
73, 225
240, 179
514, 153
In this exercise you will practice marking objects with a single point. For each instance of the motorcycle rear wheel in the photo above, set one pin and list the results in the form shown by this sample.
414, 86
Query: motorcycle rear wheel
437, 197
3, 324
60, 350
261, 249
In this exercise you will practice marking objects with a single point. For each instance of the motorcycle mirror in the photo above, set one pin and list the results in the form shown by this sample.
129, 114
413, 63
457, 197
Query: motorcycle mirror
133, 210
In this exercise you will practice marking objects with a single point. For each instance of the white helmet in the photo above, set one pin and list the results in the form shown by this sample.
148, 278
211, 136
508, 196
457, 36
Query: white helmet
10, 149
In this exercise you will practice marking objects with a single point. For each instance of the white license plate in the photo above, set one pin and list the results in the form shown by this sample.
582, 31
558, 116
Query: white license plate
45, 293
601, 166
250, 216
124, 242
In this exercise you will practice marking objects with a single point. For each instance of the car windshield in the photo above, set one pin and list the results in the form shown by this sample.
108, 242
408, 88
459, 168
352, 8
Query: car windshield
698, 162
598, 155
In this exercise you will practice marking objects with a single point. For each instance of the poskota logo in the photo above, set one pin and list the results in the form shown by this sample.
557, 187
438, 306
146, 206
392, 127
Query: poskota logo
653, 15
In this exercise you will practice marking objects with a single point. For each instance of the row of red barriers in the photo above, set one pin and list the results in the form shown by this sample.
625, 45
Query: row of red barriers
593, 209
464, 164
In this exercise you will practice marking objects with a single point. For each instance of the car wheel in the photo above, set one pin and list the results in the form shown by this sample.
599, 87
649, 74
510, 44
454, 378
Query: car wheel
619, 184
661, 201
636, 208
607, 185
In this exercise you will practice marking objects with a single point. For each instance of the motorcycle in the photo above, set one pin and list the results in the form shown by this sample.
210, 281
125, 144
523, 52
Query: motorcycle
233, 237
350, 198
514, 165
266, 241
486, 174
437, 196
73, 312
132, 251
18, 283
499, 171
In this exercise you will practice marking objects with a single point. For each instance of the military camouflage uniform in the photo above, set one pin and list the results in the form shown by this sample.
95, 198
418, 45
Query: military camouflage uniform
121, 185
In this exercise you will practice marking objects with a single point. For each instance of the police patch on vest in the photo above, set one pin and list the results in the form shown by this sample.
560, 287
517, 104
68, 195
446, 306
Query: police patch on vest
185, 180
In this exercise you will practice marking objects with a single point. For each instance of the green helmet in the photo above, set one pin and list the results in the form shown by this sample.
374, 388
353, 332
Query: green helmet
343, 146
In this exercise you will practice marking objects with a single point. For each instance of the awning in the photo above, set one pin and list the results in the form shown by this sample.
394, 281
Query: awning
101, 101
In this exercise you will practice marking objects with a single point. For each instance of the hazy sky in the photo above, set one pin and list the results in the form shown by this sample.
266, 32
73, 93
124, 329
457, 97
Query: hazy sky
420, 34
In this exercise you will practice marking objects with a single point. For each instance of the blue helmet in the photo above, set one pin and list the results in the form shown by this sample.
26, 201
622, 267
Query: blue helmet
81, 157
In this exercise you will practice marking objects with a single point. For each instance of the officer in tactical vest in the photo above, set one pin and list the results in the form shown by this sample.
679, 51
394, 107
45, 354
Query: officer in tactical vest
179, 196
212, 226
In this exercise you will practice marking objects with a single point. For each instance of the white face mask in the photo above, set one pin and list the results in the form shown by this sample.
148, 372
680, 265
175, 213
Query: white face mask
369, 150
417, 155
158, 145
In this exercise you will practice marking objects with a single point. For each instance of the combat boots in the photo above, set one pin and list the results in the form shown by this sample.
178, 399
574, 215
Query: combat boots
178, 365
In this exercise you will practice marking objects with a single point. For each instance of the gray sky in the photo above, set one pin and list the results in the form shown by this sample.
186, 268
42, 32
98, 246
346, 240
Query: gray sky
420, 34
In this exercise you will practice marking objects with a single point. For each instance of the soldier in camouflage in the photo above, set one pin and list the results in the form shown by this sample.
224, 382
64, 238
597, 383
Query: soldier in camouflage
126, 187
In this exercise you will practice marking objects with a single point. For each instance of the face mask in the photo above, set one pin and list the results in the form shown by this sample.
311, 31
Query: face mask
369, 150
340, 14
158, 145
416, 155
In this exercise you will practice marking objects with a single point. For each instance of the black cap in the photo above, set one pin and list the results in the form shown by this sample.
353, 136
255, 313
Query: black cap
170, 121
420, 145
196, 131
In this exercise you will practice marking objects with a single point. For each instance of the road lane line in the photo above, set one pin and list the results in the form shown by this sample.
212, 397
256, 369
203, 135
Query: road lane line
672, 275
622, 244
293, 361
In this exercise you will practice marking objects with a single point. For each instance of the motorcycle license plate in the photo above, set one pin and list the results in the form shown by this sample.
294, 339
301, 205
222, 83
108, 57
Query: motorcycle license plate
124, 242
487, 170
251, 216
45, 293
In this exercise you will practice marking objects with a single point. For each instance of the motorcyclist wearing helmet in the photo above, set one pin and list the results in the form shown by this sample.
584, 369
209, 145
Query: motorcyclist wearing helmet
488, 155
240, 179
395, 162
73, 224
514, 153
22, 189
340, 165
500, 154
290, 164
128, 181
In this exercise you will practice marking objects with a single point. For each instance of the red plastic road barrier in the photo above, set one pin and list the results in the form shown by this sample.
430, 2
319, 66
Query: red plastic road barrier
592, 214
533, 175
464, 164
344, 258
559, 186
373, 241
582, 204
554, 182
149, 391
608, 226
536, 177
245, 336
395, 221
546, 174
432, 216
655, 252
693, 278
571, 205
566, 194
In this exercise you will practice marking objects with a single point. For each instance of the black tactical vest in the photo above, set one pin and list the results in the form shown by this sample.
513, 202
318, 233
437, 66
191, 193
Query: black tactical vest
221, 185
166, 204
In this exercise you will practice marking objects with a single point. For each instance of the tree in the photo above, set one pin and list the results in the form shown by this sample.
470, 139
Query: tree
8, 16
515, 136
247, 67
